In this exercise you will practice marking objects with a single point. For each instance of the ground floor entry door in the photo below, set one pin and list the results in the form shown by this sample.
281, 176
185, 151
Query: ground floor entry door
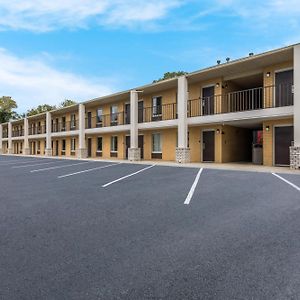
283, 140
89, 147
140, 145
56, 148
208, 146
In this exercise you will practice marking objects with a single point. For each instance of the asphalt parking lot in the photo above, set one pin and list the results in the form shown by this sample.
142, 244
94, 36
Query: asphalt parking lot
107, 230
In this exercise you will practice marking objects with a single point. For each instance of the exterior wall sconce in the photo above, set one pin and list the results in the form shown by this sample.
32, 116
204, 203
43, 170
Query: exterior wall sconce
267, 128
217, 85
218, 131
268, 74
225, 86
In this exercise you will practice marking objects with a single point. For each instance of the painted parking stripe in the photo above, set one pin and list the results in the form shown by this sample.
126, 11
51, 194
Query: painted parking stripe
58, 167
288, 182
19, 162
88, 170
192, 190
32, 165
126, 176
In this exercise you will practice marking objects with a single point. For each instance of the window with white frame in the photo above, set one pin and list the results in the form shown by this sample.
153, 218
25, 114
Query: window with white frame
73, 145
99, 115
114, 144
156, 143
157, 106
63, 124
114, 114
73, 121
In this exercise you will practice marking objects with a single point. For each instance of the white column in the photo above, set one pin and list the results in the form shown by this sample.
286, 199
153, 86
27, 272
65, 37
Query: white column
26, 140
297, 95
295, 150
182, 151
134, 152
10, 149
81, 152
1, 132
48, 150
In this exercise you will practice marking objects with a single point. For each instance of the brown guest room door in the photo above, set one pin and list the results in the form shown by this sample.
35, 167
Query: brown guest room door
208, 146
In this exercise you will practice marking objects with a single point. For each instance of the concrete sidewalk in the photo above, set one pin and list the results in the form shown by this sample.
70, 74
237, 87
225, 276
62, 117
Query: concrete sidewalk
247, 167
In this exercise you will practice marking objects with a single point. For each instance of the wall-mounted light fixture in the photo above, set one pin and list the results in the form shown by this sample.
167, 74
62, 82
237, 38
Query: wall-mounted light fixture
217, 85
268, 74
225, 86
267, 128
218, 131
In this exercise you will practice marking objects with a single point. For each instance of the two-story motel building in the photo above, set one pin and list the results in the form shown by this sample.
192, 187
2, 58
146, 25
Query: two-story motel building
247, 110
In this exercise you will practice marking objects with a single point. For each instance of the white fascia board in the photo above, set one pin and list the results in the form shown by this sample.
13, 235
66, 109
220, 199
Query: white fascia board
64, 133
267, 113
158, 124
109, 129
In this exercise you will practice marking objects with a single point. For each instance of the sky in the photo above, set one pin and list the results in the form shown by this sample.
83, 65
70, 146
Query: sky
82, 49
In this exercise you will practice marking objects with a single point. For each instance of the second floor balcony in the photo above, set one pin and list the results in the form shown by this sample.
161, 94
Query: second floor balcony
17, 133
244, 100
64, 126
162, 112
5, 134
33, 130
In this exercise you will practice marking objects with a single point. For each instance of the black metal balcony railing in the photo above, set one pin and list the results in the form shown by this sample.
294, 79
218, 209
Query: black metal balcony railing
64, 126
17, 133
108, 120
37, 130
158, 113
5, 134
245, 100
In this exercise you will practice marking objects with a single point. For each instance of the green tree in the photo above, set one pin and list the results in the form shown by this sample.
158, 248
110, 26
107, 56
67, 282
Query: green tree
67, 102
7, 106
40, 109
170, 75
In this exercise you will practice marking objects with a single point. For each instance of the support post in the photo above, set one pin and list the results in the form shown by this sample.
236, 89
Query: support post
134, 152
295, 149
182, 150
10, 148
82, 151
26, 140
48, 150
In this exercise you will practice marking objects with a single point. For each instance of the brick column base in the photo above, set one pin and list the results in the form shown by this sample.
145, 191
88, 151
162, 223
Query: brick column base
81, 153
48, 152
295, 157
134, 154
26, 151
183, 155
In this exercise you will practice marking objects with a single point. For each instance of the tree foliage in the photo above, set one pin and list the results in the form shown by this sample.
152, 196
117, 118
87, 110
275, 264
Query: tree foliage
7, 106
40, 109
66, 103
170, 75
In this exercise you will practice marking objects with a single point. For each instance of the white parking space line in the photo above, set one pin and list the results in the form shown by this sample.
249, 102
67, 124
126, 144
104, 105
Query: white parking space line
88, 170
18, 162
32, 165
58, 167
192, 190
288, 182
126, 176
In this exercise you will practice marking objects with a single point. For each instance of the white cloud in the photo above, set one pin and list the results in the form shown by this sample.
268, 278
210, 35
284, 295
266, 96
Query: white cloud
32, 82
257, 8
45, 15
